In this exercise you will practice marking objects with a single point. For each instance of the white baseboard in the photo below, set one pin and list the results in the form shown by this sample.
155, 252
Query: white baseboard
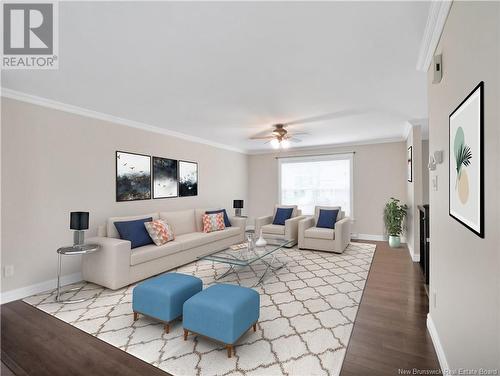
24, 292
369, 237
415, 258
443, 363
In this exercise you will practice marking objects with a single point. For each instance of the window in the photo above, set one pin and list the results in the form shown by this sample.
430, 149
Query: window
323, 180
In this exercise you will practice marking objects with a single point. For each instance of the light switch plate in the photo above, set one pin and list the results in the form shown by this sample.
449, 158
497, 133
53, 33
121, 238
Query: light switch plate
435, 183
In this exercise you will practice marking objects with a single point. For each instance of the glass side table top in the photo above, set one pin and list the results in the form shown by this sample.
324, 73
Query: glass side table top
244, 256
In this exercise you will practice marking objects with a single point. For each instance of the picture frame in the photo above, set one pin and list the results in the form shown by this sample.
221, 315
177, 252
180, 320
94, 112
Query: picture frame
410, 164
188, 178
133, 176
165, 178
466, 161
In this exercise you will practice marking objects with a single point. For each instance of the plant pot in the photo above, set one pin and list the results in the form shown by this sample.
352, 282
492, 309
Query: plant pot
394, 241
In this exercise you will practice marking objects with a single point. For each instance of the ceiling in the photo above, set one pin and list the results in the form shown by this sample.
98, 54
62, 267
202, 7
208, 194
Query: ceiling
226, 71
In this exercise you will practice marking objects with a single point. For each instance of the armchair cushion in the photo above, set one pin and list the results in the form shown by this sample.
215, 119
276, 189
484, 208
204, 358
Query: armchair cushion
282, 214
135, 232
227, 222
319, 233
327, 218
273, 229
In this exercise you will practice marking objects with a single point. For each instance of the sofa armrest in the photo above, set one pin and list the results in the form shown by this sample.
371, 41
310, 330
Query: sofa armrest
261, 221
238, 222
292, 227
343, 233
304, 224
110, 265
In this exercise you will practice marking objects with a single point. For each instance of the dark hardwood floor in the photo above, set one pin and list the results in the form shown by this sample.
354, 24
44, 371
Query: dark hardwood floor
390, 329
389, 332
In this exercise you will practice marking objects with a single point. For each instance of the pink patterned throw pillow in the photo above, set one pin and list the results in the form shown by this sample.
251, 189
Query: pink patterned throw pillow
159, 231
213, 222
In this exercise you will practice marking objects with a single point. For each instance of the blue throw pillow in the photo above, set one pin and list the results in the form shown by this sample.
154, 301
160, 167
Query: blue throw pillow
226, 218
135, 232
327, 218
282, 214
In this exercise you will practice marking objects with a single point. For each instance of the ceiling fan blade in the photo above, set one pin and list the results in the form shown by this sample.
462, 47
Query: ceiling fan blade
299, 133
328, 116
294, 139
262, 138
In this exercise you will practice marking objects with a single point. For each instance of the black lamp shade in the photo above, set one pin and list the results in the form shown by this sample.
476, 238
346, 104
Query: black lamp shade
79, 221
238, 204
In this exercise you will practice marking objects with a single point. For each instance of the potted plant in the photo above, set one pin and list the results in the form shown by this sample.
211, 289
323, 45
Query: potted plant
394, 214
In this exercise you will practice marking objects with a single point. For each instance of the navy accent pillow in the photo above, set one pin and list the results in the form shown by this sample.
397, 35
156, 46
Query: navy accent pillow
327, 218
135, 232
282, 214
226, 218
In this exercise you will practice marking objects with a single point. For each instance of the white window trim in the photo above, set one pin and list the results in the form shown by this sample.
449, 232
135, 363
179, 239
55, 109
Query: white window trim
313, 158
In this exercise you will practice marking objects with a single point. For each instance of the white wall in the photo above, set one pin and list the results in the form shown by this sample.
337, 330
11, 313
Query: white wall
425, 171
379, 173
465, 269
55, 162
414, 193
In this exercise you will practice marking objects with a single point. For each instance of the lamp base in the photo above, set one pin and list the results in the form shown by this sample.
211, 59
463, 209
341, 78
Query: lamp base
79, 237
237, 212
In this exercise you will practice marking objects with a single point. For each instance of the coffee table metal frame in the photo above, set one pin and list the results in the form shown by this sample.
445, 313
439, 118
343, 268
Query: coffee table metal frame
245, 257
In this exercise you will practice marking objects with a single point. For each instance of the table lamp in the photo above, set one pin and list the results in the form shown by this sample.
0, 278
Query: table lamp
79, 221
237, 205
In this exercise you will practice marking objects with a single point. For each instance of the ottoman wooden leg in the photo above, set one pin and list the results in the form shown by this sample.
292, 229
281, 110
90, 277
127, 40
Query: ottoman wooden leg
186, 332
136, 316
255, 327
230, 350
167, 328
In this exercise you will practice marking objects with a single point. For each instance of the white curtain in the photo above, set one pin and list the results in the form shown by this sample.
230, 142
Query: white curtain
322, 180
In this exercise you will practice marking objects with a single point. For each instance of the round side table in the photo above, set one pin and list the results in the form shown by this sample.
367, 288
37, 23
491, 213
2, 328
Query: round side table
71, 251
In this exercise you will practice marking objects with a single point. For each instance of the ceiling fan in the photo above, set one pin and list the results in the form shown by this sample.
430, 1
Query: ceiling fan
279, 136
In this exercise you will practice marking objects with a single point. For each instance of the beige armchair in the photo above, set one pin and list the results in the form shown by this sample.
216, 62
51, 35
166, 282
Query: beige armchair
289, 231
325, 239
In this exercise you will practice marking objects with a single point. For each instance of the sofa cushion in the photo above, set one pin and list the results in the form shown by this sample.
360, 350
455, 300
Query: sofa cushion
327, 218
213, 222
159, 231
135, 232
282, 214
193, 239
152, 252
181, 221
227, 222
273, 229
112, 232
319, 233
223, 234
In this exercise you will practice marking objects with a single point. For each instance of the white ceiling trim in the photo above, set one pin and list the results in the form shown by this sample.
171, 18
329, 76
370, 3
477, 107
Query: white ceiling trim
49, 103
436, 20
328, 148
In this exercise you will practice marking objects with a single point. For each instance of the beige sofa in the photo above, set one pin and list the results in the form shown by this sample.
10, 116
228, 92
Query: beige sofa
116, 265
325, 239
289, 231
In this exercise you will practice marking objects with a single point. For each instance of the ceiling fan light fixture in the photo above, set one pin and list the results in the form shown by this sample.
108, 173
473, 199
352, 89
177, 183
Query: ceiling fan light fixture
285, 144
275, 143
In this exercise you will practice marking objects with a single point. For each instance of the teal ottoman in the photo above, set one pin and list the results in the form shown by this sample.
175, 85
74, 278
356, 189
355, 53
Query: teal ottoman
162, 297
222, 312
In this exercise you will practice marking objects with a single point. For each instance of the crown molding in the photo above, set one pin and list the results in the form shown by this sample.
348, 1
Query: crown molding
326, 148
438, 11
49, 103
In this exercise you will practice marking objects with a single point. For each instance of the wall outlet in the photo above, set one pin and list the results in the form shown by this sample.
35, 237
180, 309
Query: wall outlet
434, 299
435, 183
8, 270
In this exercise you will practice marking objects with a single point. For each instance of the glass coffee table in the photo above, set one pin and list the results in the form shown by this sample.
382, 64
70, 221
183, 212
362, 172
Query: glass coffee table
246, 256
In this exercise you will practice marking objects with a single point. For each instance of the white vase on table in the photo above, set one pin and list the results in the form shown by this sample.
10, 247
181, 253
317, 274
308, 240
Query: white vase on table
261, 242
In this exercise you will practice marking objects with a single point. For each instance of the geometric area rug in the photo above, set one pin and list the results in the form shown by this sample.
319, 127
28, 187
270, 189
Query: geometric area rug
306, 317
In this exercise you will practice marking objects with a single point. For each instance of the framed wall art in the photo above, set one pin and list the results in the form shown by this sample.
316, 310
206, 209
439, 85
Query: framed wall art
133, 176
165, 180
188, 178
466, 162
